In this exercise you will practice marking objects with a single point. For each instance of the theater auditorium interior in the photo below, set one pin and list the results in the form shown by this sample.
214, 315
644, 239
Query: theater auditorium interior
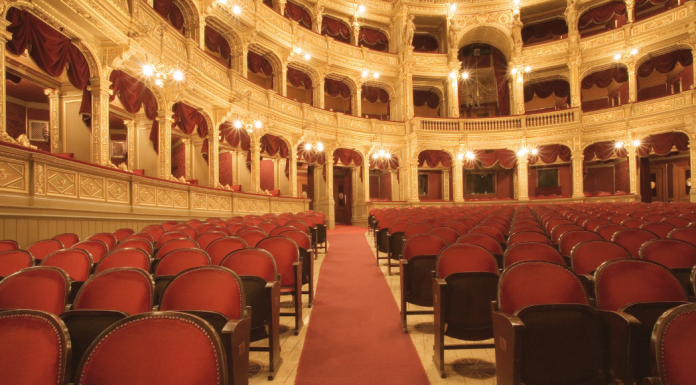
343, 192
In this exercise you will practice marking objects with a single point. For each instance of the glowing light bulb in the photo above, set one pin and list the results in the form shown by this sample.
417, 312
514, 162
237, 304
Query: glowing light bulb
535, 151
465, 75
636, 143
223, 2
258, 124
522, 151
307, 56
375, 156
619, 144
453, 7
237, 124
381, 152
308, 147
470, 155
148, 70
365, 73
634, 51
320, 146
158, 82
517, 2
376, 75
236, 10
617, 56
178, 75
298, 50
387, 155
361, 9
513, 71
460, 156
527, 69
452, 75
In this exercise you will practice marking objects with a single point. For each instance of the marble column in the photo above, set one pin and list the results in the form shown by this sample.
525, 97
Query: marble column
214, 156
633, 170
100, 121
457, 182
577, 161
255, 164
522, 178
130, 143
164, 147
54, 118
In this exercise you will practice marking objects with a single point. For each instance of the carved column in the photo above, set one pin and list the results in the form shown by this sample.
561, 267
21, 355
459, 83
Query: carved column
214, 156
355, 31
518, 89
319, 93
366, 180
293, 173
453, 97
255, 164
201, 33
445, 185
164, 147
100, 121
245, 59
522, 178
130, 143
577, 160
575, 88
4, 37
692, 154
188, 157
629, 10
357, 104
283, 79
406, 78
330, 203
413, 182
632, 85
457, 182
318, 17
54, 118
235, 172
634, 178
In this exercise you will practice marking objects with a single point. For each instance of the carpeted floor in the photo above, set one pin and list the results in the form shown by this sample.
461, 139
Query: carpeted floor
354, 336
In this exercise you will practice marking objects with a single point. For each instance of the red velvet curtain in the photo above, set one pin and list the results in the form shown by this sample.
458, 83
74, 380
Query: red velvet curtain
501, 82
434, 157
348, 195
237, 138
52, 51
665, 63
543, 31
549, 153
560, 88
311, 157
188, 119
603, 151
372, 94
421, 97
170, 12
337, 87
602, 14
134, 95
662, 144
384, 164
373, 39
299, 14
335, 29
602, 79
272, 145
347, 157
642, 5
299, 79
424, 43
259, 64
215, 42
488, 158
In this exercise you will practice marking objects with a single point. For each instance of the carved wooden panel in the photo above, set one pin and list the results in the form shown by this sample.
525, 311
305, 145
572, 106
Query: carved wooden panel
61, 183
13, 175
92, 187
117, 191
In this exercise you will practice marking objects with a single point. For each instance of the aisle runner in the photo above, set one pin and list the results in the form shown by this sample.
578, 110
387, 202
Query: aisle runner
354, 335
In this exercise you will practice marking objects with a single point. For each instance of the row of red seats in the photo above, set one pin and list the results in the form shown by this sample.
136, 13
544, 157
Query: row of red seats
111, 292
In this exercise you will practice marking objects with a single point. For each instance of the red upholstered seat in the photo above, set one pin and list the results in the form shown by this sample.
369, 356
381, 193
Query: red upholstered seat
608, 231
42, 248
121, 234
155, 348
134, 243
415, 229
108, 238
203, 228
280, 229
526, 229
192, 233
617, 219
171, 235
219, 248
661, 229
671, 253
559, 230
143, 236
219, 229
177, 261
531, 251
285, 253
423, 244
8, 245
592, 224
267, 226
253, 262
206, 239
633, 239
154, 232
633, 223
463, 257
528, 236
34, 348
250, 228
625, 281
37, 288
12, 261
126, 257
677, 222
459, 227
195, 223
483, 240
97, 249
587, 256
686, 235
169, 225
235, 227
302, 226
448, 234
538, 282
76, 263
126, 289
433, 222
674, 345
571, 238
67, 239
490, 231
252, 238
175, 244
180, 226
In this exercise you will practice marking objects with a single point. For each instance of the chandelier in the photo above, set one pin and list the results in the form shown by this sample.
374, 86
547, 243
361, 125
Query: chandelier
381, 153
160, 72
314, 143
467, 153
300, 50
247, 122
231, 8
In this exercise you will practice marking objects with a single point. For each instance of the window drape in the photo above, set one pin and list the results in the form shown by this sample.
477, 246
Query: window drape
299, 79
665, 63
311, 157
424, 43
603, 14
488, 158
662, 144
384, 164
215, 42
134, 95
336, 29
373, 39
602, 79
647, 4
298, 14
500, 72
373, 94
603, 151
549, 153
336, 88
434, 157
544, 31
421, 97
170, 12
347, 157
51, 51
560, 88
237, 138
188, 119
259, 65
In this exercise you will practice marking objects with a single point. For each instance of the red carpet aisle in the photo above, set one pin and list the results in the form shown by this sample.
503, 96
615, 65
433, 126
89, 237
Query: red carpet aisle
354, 336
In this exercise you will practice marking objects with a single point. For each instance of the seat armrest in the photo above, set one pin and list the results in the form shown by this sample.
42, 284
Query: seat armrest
588, 281
237, 332
508, 331
652, 381
622, 329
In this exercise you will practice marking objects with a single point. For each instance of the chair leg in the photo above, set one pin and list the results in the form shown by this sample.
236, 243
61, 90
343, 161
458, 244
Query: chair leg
311, 283
404, 311
274, 358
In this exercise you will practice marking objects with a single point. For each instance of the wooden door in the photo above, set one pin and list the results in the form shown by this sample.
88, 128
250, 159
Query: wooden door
681, 189
339, 197
658, 184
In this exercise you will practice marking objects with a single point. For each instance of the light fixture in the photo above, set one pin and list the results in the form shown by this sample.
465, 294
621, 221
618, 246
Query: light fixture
513, 70
247, 122
313, 143
160, 72
382, 153
619, 144
453, 7
535, 151
307, 56
527, 69
617, 56
470, 155
634, 51
300, 50
453, 75
522, 151
361, 8
465, 75
365, 73
236, 10
460, 156
375, 75
517, 2
636, 143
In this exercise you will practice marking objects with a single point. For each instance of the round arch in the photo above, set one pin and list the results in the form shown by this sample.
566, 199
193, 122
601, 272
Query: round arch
233, 39
192, 19
494, 35
274, 59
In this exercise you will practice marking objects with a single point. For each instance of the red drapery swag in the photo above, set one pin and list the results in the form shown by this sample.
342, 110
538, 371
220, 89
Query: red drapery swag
259, 65
336, 88
373, 39
421, 97
299, 79
434, 157
642, 5
602, 14
603, 151
488, 158
549, 153
52, 51
215, 42
372, 94
602, 79
272, 145
499, 72
170, 12
134, 95
237, 138
543, 31
311, 157
384, 164
425, 43
662, 144
187, 119
560, 88
347, 156
335, 29
665, 63
299, 14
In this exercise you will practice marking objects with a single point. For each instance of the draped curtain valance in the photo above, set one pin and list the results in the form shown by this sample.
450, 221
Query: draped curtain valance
543, 31
434, 157
310, 157
347, 157
170, 12
134, 95
488, 158
373, 39
549, 153
259, 64
603, 151
373, 94
336, 29
602, 79
298, 14
215, 42
384, 164
665, 63
299, 79
336, 88
424, 43
603, 14
272, 145
422, 97
662, 144
185, 117
237, 138
560, 88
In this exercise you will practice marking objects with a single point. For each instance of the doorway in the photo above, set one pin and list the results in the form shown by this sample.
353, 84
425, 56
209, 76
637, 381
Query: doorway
343, 194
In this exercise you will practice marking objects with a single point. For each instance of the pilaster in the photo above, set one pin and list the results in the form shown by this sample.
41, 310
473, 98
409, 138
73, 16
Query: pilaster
630, 4
453, 97
692, 159
577, 160
330, 203
632, 85
283, 80
164, 147
54, 118
366, 180
255, 148
319, 93
188, 156
130, 143
457, 182
355, 30
634, 178
357, 103
214, 156
4, 38
413, 181
518, 89
235, 171
445, 185
575, 84
522, 178
293, 173
100, 121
